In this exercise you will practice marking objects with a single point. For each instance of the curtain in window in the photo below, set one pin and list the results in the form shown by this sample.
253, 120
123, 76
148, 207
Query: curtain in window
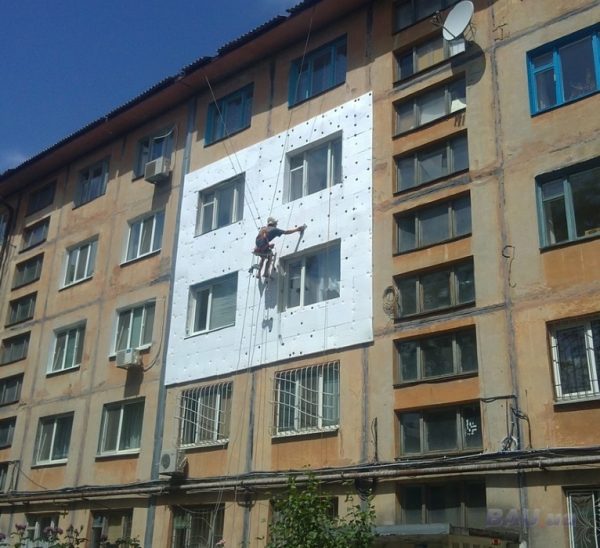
577, 65
62, 437
110, 438
331, 398
222, 310
131, 428
45, 441
572, 360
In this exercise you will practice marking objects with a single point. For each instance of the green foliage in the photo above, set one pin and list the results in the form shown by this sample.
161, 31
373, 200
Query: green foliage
304, 520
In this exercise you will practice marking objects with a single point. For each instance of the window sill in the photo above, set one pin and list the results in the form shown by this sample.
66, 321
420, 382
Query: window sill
438, 454
17, 322
429, 313
213, 230
8, 403
13, 361
231, 134
560, 245
62, 371
49, 464
140, 257
437, 379
428, 246
200, 333
403, 83
411, 131
24, 284
566, 103
144, 349
450, 177
308, 433
77, 206
77, 282
302, 101
566, 401
118, 454
32, 246
217, 444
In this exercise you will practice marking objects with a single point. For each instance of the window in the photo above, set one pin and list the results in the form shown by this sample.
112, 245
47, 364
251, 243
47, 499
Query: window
134, 327
28, 271
37, 529
434, 224
41, 198
430, 106
576, 359
445, 430
35, 234
206, 414
108, 527
308, 399
68, 349
425, 55
81, 261
145, 235
213, 304
569, 208
7, 430
3, 228
431, 163
10, 389
121, 428
198, 526
584, 518
564, 70
318, 71
92, 183
21, 309
14, 348
152, 148
4, 481
443, 355
460, 504
53, 439
313, 277
408, 12
229, 115
436, 290
316, 169
220, 205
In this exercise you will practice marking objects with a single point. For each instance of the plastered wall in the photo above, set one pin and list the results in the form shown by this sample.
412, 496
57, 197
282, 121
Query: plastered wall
263, 333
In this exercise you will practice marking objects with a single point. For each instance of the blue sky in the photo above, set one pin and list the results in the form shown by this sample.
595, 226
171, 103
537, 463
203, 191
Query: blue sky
65, 63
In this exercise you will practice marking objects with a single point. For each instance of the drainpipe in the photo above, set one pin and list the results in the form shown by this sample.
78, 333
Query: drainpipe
162, 391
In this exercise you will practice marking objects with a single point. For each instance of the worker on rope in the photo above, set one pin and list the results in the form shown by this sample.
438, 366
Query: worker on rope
264, 247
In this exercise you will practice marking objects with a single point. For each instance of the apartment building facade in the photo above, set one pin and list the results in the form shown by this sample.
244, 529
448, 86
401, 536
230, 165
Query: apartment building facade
432, 336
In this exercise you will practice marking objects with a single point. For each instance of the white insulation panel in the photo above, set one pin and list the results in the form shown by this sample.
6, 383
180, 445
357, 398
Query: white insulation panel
263, 331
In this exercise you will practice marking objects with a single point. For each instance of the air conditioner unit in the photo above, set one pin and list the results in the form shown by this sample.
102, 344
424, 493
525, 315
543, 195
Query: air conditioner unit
157, 170
172, 463
128, 358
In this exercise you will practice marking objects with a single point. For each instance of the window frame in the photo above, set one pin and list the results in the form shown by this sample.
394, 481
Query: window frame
78, 331
424, 414
453, 290
36, 526
594, 492
415, 101
91, 248
157, 218
14, 307
182, 525
545, 224
104, 426
30, 231
446, 147
556, 67
237, 206
417, 216
152, 147
100, 526
592, 354
458, 367
54, 421
85, 191
22, 268
334, 172
24, 337
215, 416
130, 311
41, 198
296, 379
194, 304
6, 438
306, 63
217, 111
415, 18
414, 50
5, 389
302, 258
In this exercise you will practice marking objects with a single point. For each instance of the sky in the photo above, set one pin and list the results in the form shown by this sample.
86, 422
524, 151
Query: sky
66, 63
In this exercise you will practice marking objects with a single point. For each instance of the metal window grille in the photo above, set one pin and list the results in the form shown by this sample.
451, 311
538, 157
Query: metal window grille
584, 519
205, 415
307, 400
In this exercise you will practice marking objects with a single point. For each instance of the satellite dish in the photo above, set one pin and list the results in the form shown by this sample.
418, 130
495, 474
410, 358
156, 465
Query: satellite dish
458, 20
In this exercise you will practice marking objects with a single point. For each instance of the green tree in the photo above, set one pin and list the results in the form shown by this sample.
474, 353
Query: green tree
303, 519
